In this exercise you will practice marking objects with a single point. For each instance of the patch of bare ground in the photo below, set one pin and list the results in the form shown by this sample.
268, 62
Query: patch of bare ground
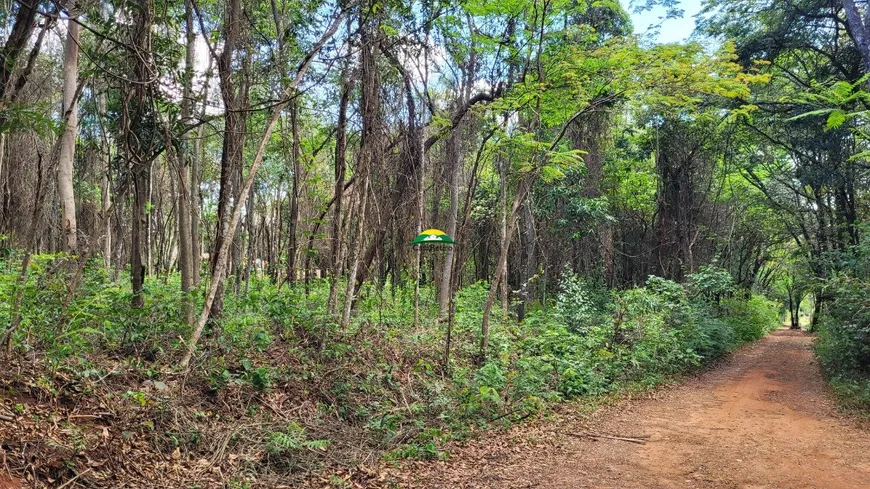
763, 419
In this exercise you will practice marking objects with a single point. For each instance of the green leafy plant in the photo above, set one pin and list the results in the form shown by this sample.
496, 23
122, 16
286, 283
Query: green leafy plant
291, 439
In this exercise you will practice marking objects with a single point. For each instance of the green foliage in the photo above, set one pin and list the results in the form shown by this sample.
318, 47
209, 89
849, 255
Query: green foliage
381, 374
292, 439
71, 318
751, 319
579, 305
260, 378
714, 335
138, 397
712, 282
843, 345
596, 340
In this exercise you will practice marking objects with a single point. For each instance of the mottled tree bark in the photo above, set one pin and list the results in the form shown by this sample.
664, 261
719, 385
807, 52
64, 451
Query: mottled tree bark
66, 157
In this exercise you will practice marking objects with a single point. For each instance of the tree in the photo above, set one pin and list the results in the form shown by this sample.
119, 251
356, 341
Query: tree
68, 136
216, 288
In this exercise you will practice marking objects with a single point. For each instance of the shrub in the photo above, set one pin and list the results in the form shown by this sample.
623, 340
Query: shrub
751, 319
712, 282
843, 345
580, 306
714, 336
597, 341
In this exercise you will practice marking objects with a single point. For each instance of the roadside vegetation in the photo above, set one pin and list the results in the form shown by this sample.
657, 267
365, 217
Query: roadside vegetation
280, 388
843, 328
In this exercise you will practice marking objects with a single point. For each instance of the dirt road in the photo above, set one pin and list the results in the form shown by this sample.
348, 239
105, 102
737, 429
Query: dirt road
761, 420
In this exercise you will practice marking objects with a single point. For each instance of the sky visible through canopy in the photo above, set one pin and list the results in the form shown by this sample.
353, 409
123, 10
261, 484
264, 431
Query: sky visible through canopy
672, 30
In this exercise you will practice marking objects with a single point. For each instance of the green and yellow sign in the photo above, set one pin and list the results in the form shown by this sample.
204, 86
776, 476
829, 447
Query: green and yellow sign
433, 236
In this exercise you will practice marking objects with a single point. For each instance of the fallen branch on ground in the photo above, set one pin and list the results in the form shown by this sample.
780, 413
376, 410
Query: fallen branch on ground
638, 440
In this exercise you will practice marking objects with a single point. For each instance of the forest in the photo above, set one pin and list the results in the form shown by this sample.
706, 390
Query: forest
208, 213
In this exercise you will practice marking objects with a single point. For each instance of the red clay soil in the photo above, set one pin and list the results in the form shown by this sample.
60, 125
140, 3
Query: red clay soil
763, 419
9, 482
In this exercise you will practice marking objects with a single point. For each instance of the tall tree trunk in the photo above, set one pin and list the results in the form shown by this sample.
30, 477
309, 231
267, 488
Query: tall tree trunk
501, 265
294, 193
340, 174
141, 173
359, 216
68, 137
529, 257
25, 23
187, 255
858, 28
454, 170
608, 254
105, 187
454, 151
195, 178
503, 231
370, 150
252, 242
2, 159
138, 143
235, 121
418, 252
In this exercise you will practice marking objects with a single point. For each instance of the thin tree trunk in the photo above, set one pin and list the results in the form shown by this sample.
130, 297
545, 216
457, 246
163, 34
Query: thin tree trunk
418, 262
451, 311
454, 167
68, 137
294, 194
2, 158
150, 222
186, 252
195, 179
503, 230
370, 149
249, 225
608, 254
105, 187
501, 267
360, 216
340, 174
223, 252
275, 244
454, 152
529, 255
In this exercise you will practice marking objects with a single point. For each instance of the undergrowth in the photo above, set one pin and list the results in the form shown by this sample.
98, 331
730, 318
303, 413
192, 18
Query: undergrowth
843, 344
278, 388
843, 328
